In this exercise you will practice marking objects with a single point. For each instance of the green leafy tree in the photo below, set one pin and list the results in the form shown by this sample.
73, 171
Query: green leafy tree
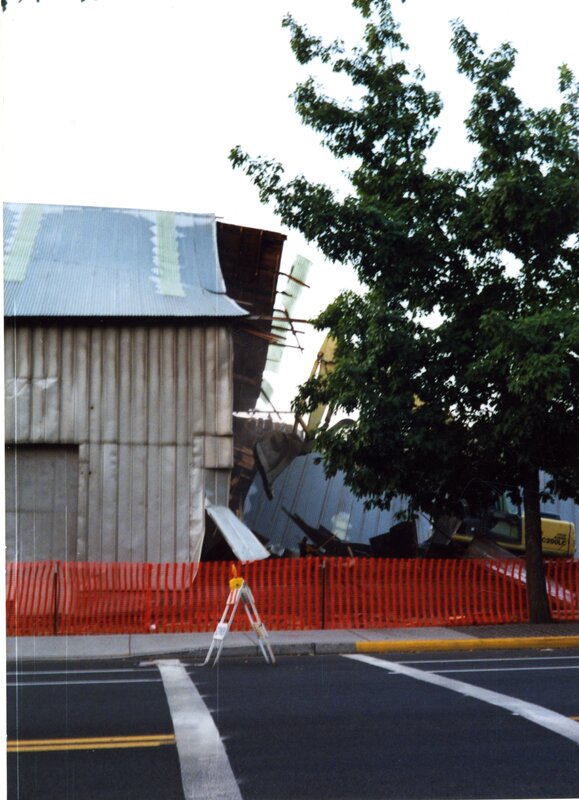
488, 395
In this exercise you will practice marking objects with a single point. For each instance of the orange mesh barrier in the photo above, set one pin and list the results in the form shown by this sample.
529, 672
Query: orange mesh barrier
31, 591
56, 598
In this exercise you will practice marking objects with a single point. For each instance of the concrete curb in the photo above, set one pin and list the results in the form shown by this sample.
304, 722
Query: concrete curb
391, 646
297, 649
243, 646
504, 643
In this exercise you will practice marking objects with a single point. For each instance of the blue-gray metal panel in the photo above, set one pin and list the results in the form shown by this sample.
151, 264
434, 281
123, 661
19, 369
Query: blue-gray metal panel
41, 503
67, 261
304, 490
242, 541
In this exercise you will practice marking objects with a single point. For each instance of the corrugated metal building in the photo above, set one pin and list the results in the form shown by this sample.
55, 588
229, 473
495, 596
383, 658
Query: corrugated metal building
119, 382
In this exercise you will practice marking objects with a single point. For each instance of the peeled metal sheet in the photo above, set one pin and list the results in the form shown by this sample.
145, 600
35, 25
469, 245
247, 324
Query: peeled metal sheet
242, 541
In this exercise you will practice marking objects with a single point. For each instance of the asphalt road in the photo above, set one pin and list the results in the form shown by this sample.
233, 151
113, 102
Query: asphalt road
310, 727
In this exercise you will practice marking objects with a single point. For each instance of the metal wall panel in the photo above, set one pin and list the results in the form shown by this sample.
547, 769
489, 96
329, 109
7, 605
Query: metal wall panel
217, 482
41, 502
196, 487
150, 409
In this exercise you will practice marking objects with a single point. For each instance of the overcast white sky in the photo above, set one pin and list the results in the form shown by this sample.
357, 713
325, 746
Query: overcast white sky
136, 103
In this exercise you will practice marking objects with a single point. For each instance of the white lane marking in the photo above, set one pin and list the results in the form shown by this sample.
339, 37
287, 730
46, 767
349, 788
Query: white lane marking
485, 660
101, 671
538, 714
21, 684
205, 769
505, 669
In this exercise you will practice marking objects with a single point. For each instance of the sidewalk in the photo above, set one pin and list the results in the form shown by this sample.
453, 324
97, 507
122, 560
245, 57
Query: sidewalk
321, 642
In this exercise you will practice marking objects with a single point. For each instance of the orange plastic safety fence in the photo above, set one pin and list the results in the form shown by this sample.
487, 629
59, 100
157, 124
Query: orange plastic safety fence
30, 590
51, 597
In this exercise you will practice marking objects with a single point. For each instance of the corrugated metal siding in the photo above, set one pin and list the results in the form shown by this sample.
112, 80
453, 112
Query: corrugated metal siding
151, 411
143, 503
128, 385
69, 261
41, 502
303, 489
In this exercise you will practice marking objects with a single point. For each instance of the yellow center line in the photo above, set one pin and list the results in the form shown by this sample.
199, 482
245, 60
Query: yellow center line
89, 743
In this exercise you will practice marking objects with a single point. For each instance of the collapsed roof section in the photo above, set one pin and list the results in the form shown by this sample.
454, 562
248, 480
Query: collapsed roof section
303, 494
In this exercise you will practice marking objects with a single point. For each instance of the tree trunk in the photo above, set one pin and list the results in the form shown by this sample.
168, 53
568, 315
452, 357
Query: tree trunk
539, 611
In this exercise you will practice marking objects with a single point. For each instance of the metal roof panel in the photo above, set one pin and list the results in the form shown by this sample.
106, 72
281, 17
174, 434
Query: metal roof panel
71, 261
245, 545
303, 489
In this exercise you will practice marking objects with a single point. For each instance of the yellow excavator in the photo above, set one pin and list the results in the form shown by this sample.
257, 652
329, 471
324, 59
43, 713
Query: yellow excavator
505, 525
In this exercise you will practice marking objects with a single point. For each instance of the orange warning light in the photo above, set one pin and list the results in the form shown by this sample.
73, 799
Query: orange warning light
235, 582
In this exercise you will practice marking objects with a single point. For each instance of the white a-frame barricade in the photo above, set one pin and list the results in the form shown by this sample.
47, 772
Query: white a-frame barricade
239, 592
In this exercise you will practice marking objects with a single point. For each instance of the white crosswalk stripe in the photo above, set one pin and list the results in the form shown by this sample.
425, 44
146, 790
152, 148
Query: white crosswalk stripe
205, 769
534, 713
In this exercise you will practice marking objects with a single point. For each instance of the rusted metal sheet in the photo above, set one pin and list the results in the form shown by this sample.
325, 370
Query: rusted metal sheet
250, 261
